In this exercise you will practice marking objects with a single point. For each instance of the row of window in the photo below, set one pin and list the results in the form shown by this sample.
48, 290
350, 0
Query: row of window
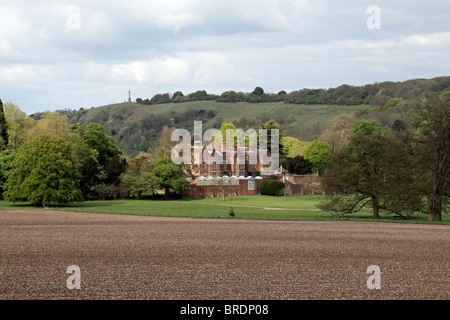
240, 166
217, 182
224, 181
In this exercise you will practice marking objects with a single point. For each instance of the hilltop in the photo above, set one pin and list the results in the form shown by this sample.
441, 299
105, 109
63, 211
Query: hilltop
302, 114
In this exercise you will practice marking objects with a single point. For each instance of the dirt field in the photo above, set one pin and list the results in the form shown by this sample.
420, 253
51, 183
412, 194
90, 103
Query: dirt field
131, 257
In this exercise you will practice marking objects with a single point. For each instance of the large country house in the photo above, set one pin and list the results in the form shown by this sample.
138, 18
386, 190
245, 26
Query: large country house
219, 170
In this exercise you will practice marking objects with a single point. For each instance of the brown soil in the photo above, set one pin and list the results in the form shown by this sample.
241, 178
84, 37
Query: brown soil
132, 257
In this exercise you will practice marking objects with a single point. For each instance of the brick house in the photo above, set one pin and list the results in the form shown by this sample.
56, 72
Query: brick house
225, 170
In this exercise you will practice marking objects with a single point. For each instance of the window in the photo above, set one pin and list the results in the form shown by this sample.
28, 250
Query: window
214, 166
251, 184
204, 165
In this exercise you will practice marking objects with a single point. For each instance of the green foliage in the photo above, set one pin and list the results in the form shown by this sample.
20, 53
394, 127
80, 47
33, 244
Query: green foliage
371, 171
368, 127
272, 187
18, 125
223, 130
3, 129
299, 165
104, 164
269, 126
318, 153
377, 94
393, 103
44, 172
294, 147
430, 146
7, 158
337, 134
95, 137
169, 176
138, 177
231, 212
258, 91
52, 124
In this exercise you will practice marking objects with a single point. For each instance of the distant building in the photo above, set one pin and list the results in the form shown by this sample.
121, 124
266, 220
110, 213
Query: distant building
227, 171
237, 160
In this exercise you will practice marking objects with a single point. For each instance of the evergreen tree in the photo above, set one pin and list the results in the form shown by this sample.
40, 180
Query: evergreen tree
3, 129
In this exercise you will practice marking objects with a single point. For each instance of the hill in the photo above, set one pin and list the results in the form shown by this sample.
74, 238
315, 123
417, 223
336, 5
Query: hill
302, 114
135, 127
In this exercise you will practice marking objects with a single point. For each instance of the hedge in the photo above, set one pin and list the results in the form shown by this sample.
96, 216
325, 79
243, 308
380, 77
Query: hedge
272, 187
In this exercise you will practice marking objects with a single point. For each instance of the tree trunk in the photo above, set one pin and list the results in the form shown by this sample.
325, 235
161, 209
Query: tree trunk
375, 207
166, 193
435, 207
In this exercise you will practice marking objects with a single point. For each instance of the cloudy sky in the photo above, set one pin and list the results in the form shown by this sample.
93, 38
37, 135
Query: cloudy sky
72, 54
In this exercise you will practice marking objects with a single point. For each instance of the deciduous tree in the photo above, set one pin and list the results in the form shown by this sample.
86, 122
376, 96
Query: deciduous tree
318, 153
371, 170
169, 176
18, 125
44, 173
336, 135
430, 146
138, 177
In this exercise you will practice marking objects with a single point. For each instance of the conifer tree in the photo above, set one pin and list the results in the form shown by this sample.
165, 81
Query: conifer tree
3, 129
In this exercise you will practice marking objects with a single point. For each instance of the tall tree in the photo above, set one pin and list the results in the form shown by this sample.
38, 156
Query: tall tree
299, 165
336, 135
269, 126
44, 173
7, 158
18, 125
169, 176
52, 124
138, 177
109, 161
3, 129
430, 146
371, 170
318, 153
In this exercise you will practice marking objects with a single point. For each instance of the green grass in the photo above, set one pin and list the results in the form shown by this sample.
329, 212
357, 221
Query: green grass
300, 208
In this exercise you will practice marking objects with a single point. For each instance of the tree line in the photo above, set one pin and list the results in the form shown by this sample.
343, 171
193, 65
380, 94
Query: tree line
53, 161
377, 94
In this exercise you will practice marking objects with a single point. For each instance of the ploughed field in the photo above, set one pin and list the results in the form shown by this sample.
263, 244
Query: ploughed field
142, 257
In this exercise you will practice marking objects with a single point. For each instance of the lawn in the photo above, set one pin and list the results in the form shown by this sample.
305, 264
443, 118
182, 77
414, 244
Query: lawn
261, 207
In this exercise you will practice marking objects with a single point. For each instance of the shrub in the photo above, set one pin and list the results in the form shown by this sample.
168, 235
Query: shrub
231, 212
272, 188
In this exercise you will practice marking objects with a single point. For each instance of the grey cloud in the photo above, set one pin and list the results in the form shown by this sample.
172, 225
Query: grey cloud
160, 46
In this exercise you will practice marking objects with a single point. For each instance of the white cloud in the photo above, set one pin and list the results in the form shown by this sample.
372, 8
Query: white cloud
161, 45
158, 71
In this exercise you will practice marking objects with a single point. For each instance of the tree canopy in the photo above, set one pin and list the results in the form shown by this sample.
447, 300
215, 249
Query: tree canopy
3, 129
318, 153
370, 171
44, 173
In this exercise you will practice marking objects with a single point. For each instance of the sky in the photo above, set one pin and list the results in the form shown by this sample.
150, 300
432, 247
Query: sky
72, 54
